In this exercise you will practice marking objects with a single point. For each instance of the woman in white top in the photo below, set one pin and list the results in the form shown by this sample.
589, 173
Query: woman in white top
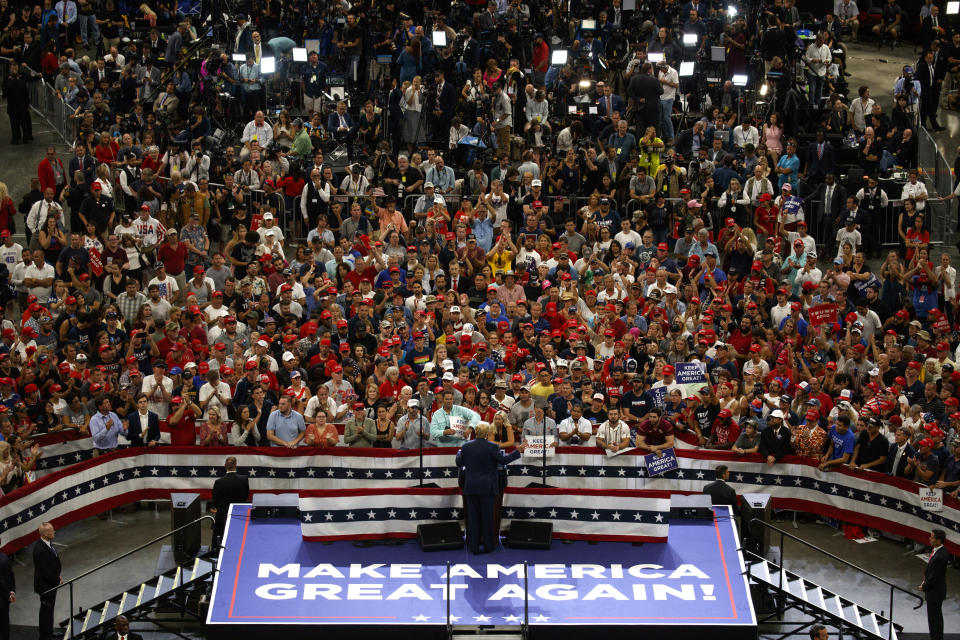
103, 179
413, 130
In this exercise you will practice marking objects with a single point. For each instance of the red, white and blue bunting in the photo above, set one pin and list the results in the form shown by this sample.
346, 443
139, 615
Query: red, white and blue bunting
94, 485
583, 514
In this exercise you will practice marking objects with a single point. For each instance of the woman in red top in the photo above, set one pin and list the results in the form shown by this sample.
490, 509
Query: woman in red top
390, 388
182, 421
917, 237
106, 151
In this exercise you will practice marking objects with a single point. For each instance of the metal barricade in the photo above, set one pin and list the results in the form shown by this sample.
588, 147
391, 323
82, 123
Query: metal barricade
938, 177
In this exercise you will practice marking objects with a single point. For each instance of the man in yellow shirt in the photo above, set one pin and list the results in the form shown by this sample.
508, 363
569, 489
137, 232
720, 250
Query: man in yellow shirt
543, 387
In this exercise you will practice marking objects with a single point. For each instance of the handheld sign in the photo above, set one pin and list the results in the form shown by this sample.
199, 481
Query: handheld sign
659, 395
931, 499
535, 447
823, 314
458, 424
659, 465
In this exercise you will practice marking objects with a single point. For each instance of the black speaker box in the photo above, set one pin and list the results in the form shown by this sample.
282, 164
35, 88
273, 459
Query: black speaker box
527, 534
440, 536
185, 509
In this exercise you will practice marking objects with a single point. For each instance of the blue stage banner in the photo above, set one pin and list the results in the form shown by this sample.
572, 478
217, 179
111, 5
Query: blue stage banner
267, 574
631, 516
659, 465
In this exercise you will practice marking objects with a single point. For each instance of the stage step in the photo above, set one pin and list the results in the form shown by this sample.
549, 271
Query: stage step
97, 620
487, 636
799, 590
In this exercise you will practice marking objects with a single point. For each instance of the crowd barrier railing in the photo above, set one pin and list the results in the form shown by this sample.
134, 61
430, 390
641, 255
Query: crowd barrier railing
866, 498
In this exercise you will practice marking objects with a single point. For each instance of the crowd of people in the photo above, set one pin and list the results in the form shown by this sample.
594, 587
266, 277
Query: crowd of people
173, 293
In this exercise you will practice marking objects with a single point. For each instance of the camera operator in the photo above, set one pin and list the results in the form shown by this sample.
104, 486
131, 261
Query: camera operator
445, 55
669, 81
501, 110
198, 165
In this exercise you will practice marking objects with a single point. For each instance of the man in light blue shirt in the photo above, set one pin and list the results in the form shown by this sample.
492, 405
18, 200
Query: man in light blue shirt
483, 227
285, 427
105, 426
442, 432
441, 176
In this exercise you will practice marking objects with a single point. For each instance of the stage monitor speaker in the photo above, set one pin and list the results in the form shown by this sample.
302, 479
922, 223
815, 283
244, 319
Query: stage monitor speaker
528, 534
696, 506
275, 505
185, 509
440, 536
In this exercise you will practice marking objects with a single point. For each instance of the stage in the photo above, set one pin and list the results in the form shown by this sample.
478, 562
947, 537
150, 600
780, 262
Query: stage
270, 576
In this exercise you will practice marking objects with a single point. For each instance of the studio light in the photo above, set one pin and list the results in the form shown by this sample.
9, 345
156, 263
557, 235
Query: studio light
558, 57
689, 39
299, 54
268, 65
655, 56
740, 80
731, 10
585, 84
439, 39
238, 57
763, 89
588, 24
686, 69
953, 8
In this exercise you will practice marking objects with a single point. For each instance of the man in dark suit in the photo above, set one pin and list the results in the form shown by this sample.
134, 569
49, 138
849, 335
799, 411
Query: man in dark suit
480, 460
445, 106
830, 200
929, 91
644, 93
719, 491
8, 594
46, 576
820, 158
121, 630
231, 488
340, 124
898, 457
142, 425
932, 27
934, 585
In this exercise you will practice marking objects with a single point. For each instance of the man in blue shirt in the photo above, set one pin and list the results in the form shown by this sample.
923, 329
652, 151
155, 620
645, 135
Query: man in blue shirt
285, 427
842, 443
788, 167
105, 426
442, 431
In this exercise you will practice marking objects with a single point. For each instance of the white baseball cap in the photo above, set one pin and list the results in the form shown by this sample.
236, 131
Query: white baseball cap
776, 413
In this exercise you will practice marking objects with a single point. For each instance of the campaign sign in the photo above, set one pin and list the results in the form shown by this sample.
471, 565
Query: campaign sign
269, 575
659, 395
658, 465
535, 447
931, 499
458, 424
690, 373
823, 314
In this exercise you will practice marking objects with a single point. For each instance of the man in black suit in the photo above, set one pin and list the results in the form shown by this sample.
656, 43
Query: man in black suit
900, 453
719, 491
46, 576
829, 204
644, 93
142, 426
445, 106
121, 630
934, 585
8, 594
929, 91
480, 460
820, 158
231, 488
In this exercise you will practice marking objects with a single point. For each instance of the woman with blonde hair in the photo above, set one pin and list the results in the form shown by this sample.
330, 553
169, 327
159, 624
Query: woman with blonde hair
7, 208
10, 473
214, 431
104, 180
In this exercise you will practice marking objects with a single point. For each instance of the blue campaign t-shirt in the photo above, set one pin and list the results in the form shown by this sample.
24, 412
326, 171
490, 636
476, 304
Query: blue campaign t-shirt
842, 444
